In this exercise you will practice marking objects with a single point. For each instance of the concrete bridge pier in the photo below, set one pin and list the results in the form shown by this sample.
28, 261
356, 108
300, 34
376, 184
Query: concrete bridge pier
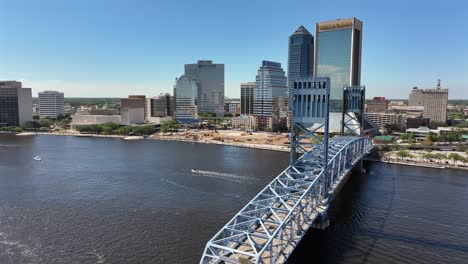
322, 222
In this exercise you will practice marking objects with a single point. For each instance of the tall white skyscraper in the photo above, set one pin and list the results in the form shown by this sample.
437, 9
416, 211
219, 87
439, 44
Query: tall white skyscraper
51, 104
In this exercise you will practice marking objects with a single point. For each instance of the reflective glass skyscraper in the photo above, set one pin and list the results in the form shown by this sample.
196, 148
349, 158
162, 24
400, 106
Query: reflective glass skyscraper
338, 56
210, 82
300, 55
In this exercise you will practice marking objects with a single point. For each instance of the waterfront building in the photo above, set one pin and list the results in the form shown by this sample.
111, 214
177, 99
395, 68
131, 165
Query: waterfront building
51, 104
338, 56
210, 86
270, 96
377, 104
381, 120
86, 120
15, 104
185, 93
247, 98
97, 111
160, 106
300, 55
434, 102
132, 109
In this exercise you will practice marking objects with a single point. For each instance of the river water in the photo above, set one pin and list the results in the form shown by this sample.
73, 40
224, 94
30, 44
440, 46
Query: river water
97, 200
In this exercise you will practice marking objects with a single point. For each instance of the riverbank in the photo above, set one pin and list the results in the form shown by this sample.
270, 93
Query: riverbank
418, 164
172, 138
231, 139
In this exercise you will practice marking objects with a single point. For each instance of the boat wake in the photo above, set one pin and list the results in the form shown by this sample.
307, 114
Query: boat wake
224, 176
195, 190
178, 185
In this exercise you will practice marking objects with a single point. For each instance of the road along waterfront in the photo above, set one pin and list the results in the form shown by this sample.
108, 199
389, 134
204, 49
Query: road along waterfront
108, 200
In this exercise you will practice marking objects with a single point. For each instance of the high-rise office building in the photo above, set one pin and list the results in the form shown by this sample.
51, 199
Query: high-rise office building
15, 104
338, 56
300, 55
247, 98
185, 93
210, 85
434, 102
51, 104
271, 96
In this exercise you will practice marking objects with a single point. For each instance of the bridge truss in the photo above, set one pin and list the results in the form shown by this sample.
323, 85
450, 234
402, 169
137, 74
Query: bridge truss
272, 224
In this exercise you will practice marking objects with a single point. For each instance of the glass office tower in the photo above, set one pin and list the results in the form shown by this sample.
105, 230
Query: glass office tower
300, 55
338, 56
210, 81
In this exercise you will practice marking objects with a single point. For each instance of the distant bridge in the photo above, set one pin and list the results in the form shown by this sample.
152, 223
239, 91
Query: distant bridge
273, 223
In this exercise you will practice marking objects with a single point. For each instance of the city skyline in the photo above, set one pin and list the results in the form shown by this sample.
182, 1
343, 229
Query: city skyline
66, 47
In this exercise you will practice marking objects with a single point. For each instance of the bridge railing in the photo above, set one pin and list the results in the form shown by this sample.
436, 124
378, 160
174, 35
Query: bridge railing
269, 227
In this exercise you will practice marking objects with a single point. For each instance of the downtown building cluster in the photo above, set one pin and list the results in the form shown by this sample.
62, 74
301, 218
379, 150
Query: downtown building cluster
335, 52
425, 106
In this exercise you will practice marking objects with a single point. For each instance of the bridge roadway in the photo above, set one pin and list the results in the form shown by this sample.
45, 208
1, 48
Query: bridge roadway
272, 224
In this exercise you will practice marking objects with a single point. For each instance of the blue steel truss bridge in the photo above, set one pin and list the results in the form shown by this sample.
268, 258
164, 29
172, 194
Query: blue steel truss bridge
273, 223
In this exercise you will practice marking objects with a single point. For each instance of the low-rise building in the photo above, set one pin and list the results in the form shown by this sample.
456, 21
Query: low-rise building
86, 120
243, 121
415, 122
160, 108
381, 120
132, 109
232, 106
377, 105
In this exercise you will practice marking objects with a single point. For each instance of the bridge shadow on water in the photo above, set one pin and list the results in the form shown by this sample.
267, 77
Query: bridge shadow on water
365, 228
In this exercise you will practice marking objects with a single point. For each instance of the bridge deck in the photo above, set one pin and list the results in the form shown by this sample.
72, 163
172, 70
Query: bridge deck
270, 226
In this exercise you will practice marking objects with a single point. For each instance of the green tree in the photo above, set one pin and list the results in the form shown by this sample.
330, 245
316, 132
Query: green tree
391, 128
456, 157
430, 137
401, 154
45, 122
436, 124
439, 157
125, 130
109, 128
144, 130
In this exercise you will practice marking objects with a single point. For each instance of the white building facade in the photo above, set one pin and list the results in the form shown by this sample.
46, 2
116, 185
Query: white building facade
51, 104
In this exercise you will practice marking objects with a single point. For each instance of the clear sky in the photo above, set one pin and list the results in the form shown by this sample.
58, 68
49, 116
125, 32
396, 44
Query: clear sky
112, 48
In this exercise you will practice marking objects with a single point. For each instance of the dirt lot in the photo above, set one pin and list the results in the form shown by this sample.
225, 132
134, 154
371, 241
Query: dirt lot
231, 136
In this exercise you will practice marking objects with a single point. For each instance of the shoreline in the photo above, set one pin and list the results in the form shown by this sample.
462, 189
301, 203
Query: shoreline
246, 145
422, 165
214, 142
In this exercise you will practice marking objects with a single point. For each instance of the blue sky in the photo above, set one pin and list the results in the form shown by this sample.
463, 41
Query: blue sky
112, 48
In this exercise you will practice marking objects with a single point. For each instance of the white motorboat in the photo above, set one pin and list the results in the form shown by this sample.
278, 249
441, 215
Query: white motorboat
37, 158
134, 138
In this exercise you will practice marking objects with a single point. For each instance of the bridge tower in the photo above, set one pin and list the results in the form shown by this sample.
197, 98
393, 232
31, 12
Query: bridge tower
309, 101
352, 121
